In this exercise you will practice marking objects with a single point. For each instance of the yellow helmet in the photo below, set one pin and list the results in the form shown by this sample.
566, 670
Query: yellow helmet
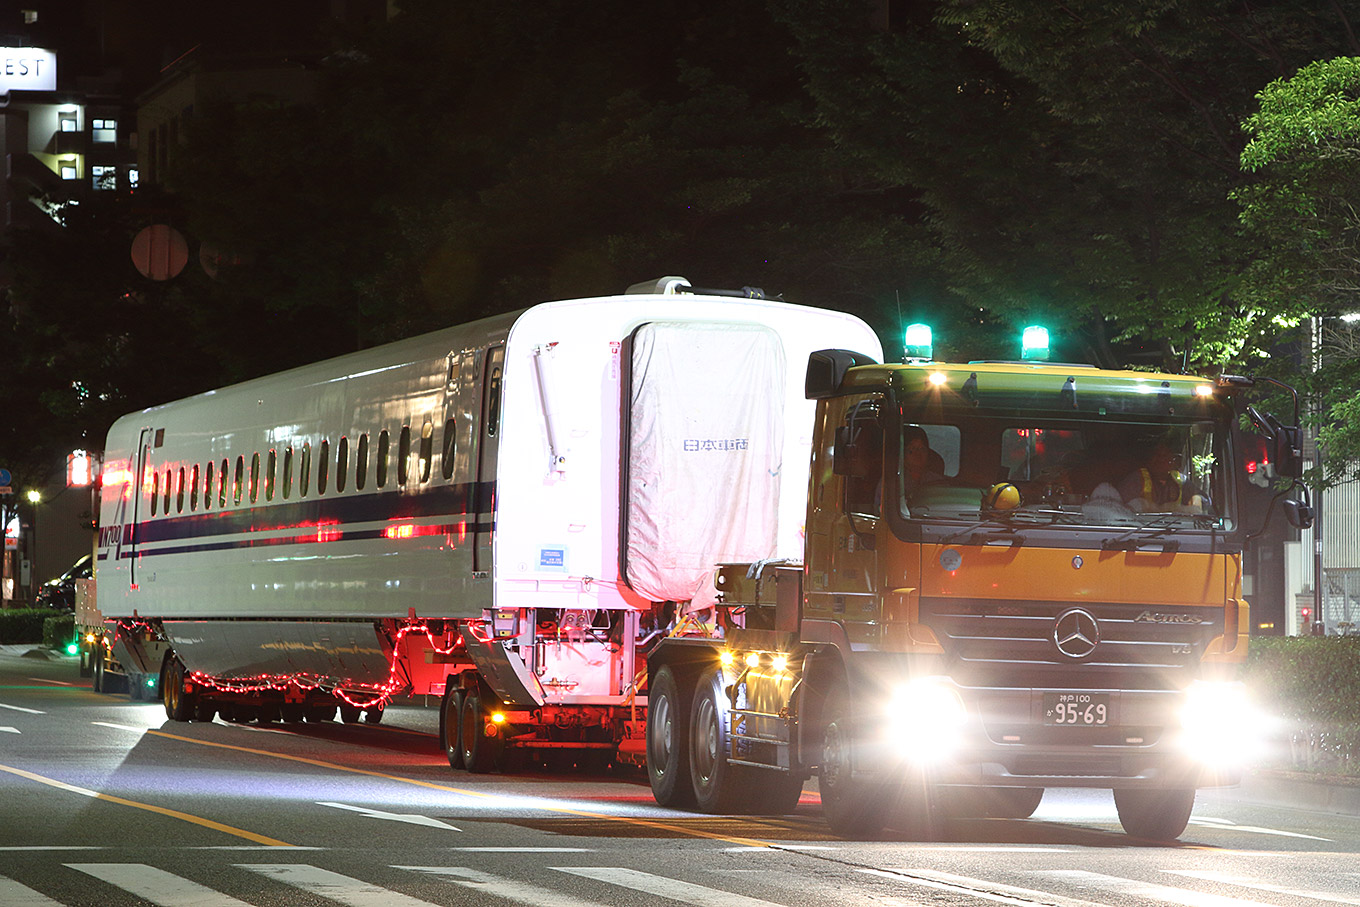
1001, 496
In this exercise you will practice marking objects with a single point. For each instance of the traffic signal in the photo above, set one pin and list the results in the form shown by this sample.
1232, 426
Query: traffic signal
1034, 342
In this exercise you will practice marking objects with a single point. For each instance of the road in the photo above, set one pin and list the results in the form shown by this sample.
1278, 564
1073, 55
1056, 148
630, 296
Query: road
106, 802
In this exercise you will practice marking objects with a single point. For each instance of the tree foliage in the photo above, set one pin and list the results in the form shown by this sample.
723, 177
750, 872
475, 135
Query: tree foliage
1302, 214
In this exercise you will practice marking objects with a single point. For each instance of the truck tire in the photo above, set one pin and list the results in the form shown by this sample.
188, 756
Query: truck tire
1156, 815
668, 740
481, 753
374, 715
179, 705
97, 684
773, 793
350, 714
853, 807
448, 725
717, 787
991, 802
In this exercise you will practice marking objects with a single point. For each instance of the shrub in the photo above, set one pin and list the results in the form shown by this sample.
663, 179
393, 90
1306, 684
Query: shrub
22, 625
58, 631
1312, 684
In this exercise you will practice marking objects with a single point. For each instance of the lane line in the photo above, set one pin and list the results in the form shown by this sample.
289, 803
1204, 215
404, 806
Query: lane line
392, 817
982, 889
1227, 825
156, 885
487, 884
333, 885
172, 813
19, 708
467, 792
663, 887
1226, 878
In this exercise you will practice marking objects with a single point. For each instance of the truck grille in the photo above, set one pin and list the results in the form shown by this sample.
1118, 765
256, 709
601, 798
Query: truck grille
1012, 643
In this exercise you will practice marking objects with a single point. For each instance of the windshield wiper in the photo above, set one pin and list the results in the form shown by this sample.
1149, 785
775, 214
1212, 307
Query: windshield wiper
1155, 531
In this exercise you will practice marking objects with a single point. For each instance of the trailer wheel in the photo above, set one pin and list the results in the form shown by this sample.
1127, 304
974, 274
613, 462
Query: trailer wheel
449, 736
853, 807
481, 752
1157, 815
717, 787
292, 712
374, 715
350, 714
668, 741
179, 705
204, 709
98, 683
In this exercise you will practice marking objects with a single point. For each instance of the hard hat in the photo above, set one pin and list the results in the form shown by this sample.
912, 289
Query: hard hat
1001, 496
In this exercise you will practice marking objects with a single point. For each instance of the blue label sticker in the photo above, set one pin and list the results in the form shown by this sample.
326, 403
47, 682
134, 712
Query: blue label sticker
552, 558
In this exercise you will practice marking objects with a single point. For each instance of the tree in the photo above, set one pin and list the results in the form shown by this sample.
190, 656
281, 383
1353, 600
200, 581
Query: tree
1075, 158
1302, 213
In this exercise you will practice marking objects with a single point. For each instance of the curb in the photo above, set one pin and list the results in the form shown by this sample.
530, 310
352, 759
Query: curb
1330, 794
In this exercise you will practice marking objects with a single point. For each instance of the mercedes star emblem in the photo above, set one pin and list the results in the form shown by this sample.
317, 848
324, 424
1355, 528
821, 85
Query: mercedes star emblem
1076, 633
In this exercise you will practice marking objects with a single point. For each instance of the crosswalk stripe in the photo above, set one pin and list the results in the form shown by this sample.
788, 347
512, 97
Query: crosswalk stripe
485, 883
982, 889
11, 892
1227, 878
156, 885
1151, 890
676, 890
333, 885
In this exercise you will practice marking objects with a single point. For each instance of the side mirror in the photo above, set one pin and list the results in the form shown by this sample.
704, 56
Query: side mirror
826, 370
1289, 451
1299, 514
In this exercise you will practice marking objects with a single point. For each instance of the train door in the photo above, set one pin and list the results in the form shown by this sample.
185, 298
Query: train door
488, 445
143, 467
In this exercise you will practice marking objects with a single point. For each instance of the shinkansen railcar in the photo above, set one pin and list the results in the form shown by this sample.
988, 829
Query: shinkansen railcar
503, 513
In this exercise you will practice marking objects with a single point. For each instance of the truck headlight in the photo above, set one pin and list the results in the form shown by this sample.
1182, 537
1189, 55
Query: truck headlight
925, 719
1219, 724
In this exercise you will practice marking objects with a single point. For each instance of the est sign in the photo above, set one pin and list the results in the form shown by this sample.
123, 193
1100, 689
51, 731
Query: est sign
27, 69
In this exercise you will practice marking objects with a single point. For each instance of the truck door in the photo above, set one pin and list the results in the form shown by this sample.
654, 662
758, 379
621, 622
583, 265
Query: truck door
488, 444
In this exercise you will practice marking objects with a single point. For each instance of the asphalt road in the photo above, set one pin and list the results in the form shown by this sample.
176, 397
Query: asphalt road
103, 801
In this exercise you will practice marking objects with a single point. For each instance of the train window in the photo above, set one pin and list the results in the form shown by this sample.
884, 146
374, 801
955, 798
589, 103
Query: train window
426, 450
361, 466
493, 392
450, 447
384, 443
323, 465
404, 455
270, 469
179, 491
305, 468
193, 489
254, 486
222, 484
155, 491
207, 485
287, 473
239, 480
165, 492
341, 463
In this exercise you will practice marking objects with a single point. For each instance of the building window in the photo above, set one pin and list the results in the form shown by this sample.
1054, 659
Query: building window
105, 130
134, 178
104, 177
67, 122
68, 172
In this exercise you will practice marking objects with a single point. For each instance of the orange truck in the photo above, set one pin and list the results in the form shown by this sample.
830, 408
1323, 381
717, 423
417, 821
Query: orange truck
1016, 576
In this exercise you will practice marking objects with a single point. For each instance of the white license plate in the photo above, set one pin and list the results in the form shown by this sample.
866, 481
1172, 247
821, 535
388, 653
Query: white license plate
1076, 709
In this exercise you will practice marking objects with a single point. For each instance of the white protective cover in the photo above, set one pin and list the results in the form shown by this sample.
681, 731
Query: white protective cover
705, 453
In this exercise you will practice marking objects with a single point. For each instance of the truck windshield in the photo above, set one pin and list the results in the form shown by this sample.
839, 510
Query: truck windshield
1112, 473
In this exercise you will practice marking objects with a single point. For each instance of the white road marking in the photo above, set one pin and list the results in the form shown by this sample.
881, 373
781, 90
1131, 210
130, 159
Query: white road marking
1226, 878
392, 817
523, 850
663, 887
11, 892
19, 708
333, 885
1228, 825
156, 885
982, 889
1133, 888
485, 883
59, 683
9, 730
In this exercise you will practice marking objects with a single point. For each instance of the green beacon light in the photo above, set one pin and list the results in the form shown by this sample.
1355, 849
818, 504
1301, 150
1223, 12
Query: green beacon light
918, 342
1034, 343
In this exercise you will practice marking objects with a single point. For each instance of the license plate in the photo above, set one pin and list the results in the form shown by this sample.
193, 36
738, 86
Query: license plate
1076, 709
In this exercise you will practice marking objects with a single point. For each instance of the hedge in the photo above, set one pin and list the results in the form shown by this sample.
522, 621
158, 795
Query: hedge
22, 625
1311, 685
58, 631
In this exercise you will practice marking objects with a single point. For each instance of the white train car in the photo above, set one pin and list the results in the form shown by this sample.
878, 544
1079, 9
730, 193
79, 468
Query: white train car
504, 513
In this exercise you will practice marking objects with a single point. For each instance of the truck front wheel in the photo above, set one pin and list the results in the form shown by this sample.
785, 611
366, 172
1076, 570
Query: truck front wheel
481, 752
1157, 815
668, 741
853, 807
